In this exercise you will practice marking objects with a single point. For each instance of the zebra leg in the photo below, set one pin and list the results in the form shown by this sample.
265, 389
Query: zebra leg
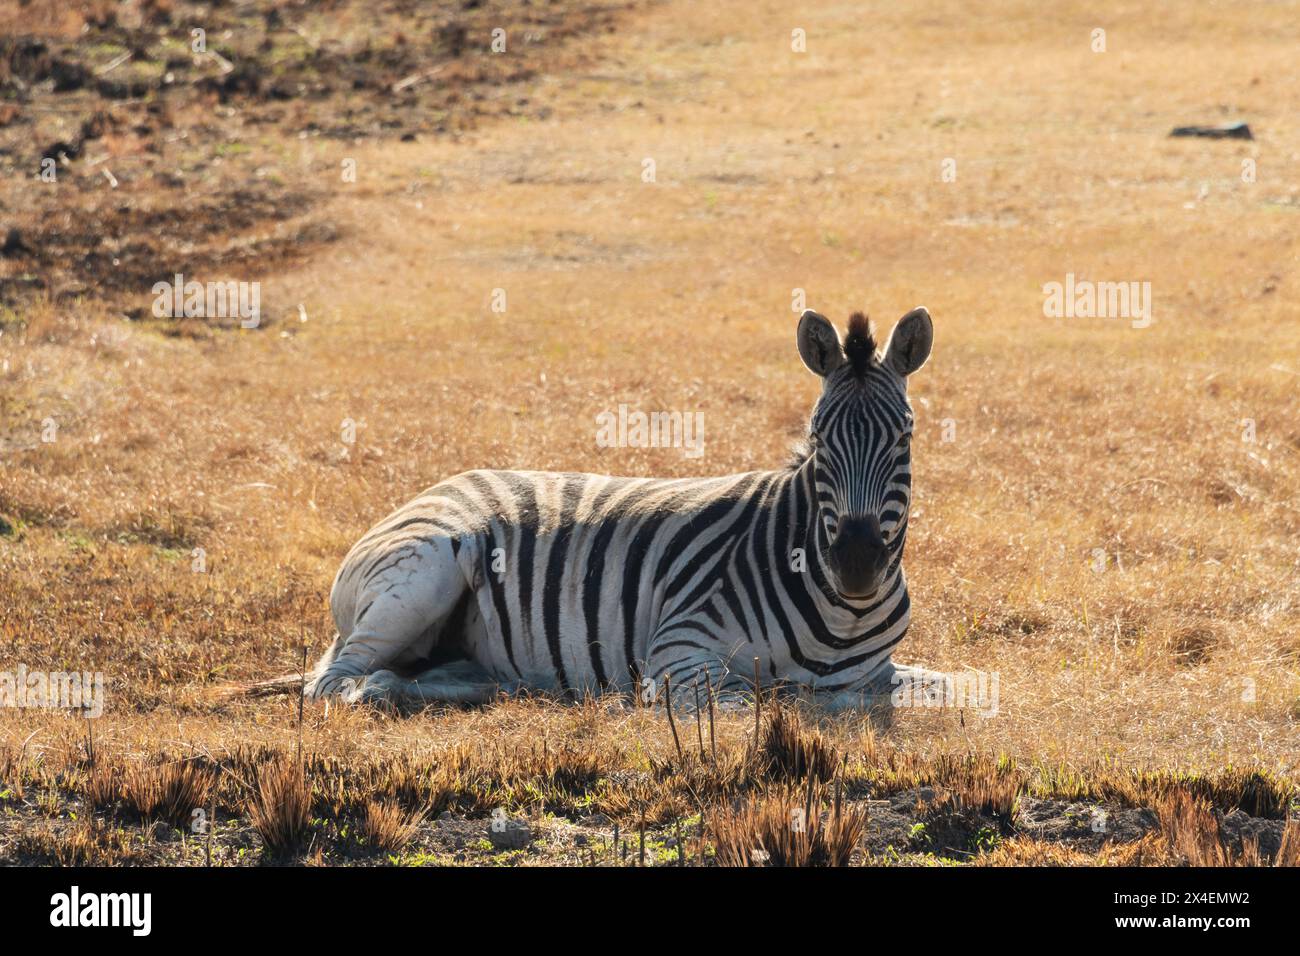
457, 682
917, 687
892, 687
678, 660
387, 610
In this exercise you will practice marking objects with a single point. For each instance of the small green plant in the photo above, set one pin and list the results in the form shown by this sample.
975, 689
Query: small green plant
985, 839
918, 834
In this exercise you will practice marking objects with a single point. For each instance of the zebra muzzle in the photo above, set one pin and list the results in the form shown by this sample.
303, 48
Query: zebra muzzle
859, 556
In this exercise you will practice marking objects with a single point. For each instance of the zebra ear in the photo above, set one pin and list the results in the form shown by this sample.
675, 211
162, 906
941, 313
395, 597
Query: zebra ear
909, 343
819, 343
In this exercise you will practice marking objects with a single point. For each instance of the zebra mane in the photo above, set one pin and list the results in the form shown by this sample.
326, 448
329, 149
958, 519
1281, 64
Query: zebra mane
800, 452
860, 344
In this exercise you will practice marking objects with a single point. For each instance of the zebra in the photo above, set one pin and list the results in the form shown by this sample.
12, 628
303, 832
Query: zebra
496, 582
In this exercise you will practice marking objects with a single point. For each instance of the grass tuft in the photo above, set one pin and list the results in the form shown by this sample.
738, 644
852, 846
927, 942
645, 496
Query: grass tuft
280, 809
794, 750
388, 827
788, 827
170, 790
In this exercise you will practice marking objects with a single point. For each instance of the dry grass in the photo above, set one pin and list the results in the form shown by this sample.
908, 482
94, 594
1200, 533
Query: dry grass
1170, 665
13, 773
1289, 853
103, 785
389, 828
790, 827
1191, 833
1256, 790
88, 842
1026, 852
1193, 836
170, 790
980, 783
794, 750
364, 786
280, 808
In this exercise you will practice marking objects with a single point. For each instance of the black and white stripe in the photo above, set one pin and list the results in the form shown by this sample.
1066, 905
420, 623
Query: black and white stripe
498, 580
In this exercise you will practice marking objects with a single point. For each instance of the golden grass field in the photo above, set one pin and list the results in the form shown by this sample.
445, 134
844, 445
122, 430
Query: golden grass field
1113, 528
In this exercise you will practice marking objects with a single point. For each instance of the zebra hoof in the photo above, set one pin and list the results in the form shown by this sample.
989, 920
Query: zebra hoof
917, 687
734, 703
381, 689
326, 687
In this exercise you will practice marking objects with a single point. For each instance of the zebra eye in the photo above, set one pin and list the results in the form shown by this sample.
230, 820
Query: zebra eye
904, 441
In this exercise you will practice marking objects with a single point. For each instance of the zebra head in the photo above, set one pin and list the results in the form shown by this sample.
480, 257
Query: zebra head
860, 437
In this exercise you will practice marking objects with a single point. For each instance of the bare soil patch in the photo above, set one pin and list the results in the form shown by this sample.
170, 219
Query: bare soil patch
140, 140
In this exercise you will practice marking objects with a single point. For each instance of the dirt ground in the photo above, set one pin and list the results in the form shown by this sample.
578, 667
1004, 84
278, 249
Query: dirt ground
139, 138
1105, 516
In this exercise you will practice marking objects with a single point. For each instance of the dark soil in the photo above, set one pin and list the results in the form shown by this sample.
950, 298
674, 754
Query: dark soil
130, 151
